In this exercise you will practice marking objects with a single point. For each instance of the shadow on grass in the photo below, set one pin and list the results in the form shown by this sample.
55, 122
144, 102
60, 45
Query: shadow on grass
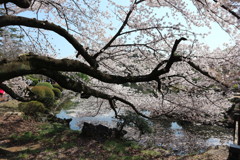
49, 137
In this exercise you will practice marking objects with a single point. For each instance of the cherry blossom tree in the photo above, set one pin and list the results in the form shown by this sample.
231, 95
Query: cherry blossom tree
142, 54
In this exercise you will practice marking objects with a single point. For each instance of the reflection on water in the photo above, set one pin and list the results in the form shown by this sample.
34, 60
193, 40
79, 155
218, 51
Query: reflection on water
180, 137
76, 123
184, 138
178, 130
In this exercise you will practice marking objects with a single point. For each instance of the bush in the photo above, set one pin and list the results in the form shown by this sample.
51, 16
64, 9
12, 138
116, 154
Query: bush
134, 120
45, 84
57, 86
44, 94
38, 91
57, 93
32, 108
34, 80
235, 86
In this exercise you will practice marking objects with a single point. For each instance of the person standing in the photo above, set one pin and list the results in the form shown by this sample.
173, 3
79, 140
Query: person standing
1, 94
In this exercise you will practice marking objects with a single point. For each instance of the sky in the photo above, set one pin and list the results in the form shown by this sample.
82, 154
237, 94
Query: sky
215, 39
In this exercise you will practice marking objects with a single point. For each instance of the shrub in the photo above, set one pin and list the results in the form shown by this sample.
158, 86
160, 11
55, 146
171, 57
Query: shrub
38, 90
235, 86
134, 120
32, 108
57, 86
44, 94
45, 84
57, 93
34, 80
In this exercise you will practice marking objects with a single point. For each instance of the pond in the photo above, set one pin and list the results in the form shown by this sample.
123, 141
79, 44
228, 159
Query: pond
179, 137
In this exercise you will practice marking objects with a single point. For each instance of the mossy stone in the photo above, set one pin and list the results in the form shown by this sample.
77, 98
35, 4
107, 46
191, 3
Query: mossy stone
44, 94
57, 93
57, 86
45, 84
32, 108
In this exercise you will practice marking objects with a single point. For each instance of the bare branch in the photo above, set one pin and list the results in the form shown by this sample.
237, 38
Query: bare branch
173, 58
34, 23
118, 32
13, 94
229, 10
206, 73
19, 3
224, 7
68, 83
113, 106
131, 105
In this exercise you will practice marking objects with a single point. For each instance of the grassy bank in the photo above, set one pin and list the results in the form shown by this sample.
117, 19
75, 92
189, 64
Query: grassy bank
56, 141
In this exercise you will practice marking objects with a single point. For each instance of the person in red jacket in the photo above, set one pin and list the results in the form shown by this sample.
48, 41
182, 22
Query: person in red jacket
1, 92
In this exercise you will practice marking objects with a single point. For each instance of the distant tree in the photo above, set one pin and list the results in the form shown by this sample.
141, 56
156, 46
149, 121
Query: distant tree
10, 41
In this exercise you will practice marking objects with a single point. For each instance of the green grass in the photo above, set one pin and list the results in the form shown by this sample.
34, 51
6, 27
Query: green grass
24, 138
122, 150
150, 153
52, 129
23, 156
118, 146
130, 150
134, 157
53, 135
67, 145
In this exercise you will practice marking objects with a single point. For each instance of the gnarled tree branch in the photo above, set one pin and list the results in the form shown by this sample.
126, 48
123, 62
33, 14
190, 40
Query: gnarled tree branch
13, 94
19, 3
34, 23
30, 64
196, 67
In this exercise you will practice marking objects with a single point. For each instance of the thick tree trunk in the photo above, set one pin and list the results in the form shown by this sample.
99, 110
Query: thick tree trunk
19, 3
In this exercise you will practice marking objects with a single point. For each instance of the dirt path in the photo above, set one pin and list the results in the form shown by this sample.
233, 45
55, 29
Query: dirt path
13, 123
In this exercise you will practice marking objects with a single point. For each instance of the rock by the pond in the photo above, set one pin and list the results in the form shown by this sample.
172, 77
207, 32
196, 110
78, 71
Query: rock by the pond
101, 132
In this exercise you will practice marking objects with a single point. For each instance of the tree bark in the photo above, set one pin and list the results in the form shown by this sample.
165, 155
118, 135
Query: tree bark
34, 23
19, 3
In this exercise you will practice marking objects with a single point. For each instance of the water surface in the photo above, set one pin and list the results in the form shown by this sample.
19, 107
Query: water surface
179, 137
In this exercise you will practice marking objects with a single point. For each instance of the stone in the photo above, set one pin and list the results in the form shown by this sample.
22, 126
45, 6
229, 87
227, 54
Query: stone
101, 132
234, 152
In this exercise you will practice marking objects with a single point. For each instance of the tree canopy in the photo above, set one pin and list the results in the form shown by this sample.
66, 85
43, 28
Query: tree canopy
142, 54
